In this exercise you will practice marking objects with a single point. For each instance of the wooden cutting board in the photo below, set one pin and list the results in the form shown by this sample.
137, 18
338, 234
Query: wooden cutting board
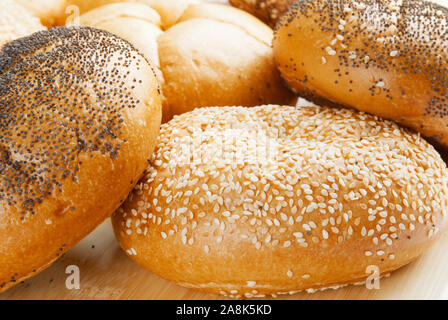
107, 273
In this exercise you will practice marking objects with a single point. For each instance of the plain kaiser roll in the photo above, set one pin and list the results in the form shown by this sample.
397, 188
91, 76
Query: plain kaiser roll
388, 58
80, 115
16, 22
213, 55
267, 200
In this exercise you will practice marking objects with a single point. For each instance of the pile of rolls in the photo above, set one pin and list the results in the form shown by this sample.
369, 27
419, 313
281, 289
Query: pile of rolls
172, 117
203, 54
388, 58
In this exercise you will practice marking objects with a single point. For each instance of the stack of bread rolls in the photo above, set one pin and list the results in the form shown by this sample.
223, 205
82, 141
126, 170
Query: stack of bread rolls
82, 107
226, 196
206, 54
271, 200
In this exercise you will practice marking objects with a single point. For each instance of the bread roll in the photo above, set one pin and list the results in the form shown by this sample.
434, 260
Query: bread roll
48, 11
388, 58
206, 62
267, 200
16, 22
87, 5
81, 114
214, 55
268, 11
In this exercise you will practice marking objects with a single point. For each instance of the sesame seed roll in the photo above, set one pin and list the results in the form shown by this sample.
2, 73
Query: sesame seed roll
249, 202
388, 58
80, 112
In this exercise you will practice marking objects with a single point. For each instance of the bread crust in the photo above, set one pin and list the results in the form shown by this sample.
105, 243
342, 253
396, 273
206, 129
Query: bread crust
268, 11
386, 58
72, 145
211, 63
249, 202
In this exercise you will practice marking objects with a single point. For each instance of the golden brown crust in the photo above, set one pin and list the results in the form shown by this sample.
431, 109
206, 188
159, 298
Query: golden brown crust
80, 114
266, 200
386, 58
16, 22
268, 11
211, 55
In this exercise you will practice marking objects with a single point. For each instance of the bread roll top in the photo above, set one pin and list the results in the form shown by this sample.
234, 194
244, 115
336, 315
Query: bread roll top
267, 200
388, 58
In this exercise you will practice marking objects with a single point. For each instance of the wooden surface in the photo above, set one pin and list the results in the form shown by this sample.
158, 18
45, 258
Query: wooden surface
107, 273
